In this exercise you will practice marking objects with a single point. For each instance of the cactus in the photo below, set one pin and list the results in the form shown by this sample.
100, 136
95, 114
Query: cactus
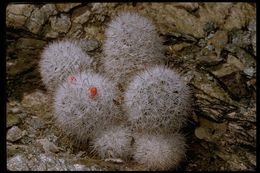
84, 105
61, 58
159, 152
131, 43
114, 142
157, 100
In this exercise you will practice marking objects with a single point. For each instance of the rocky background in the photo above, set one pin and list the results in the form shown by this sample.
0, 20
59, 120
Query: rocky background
212, 44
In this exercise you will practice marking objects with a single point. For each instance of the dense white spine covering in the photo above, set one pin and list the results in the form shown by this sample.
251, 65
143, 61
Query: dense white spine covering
157, 100
61, 58
114, 142
131, 43
84, 105
159, 152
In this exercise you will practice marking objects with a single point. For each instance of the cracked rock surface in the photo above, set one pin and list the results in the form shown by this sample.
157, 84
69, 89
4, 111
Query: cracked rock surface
213, 45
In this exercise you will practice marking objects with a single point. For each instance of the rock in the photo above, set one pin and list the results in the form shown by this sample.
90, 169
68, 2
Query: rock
219, 40
14, 134
32, 101
247, 59
16, 110
25, 59
17, 14
51, 34
210, 131
235, 62
66, 7
36, 20
48, 146
240, 14
19, 67
252, 26
30, 159
169, 18
212, 108
209, 28
88, 45
213, 89
250, 71
49, 10
253, 42
81, 15
208, 59
244, 136
52, 163
76, 31
229, 74
252, 158
17, 163
210, 97
79, 167
36, 123
234, 161
241, 38
30, 43
103, 8
14, 149
224, 70
12, 120
214, 13
187, 6
178, 47
236, 85
60, 24
93, 32
244, 114
39, 16
114, 160
202, 42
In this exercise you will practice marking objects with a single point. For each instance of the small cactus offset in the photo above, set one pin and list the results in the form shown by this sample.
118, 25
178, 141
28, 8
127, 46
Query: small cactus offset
131, 43
84, 104
114, 142
159, 152
60, 59
157, 100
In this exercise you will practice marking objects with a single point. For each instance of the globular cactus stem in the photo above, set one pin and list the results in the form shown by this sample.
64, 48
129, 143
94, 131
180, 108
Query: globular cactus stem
157, 99
84, 105
61, 58
114, 142
160, 151
131, 43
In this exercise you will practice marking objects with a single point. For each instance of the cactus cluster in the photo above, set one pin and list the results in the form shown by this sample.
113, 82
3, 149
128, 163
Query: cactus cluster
156, 101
